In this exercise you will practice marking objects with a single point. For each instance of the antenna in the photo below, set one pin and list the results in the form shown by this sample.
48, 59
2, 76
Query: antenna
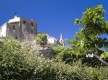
15, 14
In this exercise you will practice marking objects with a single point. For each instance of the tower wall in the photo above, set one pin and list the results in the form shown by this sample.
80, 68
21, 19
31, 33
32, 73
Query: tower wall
22, 30
29, 29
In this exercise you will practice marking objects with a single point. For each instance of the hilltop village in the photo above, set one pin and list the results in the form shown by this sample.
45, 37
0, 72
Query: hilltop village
25, 30
27, 54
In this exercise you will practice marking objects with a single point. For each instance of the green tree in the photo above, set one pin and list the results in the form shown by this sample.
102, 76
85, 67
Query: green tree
41, 39
64, 53
92, 26
14, 61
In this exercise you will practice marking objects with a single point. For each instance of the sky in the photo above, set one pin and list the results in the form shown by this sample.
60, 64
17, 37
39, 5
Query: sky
53, 17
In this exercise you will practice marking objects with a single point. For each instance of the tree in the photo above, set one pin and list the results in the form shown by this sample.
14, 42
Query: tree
14, 61
64, 53
41, 39
92, 26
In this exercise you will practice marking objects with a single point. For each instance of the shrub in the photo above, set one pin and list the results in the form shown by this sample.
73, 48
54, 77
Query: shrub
41, 39
14, 61
20, 63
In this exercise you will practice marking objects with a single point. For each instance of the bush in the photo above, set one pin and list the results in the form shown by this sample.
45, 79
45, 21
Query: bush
20, 63
14, 61
59, 71
41, 39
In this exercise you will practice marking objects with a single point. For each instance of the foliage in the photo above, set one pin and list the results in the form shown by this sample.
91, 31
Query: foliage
50, 70
92, 26
67, 54
104, 55
14, 59
41, 39
70, 54
20, 63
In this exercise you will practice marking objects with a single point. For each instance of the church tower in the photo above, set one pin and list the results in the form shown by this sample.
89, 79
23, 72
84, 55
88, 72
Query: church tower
61, 41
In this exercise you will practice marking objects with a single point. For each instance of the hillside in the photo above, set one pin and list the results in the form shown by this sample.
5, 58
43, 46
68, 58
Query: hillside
18, 62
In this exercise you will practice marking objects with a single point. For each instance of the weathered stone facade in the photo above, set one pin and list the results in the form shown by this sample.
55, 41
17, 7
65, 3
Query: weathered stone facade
20, 28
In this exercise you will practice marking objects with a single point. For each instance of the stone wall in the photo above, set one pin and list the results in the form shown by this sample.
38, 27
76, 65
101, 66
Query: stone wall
24, 30
46, 51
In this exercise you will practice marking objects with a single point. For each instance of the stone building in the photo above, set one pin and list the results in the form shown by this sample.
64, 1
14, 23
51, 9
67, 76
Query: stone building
19, 28
54, 42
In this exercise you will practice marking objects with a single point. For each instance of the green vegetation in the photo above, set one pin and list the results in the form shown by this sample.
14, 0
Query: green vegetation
92, 26
15, 63
41, 39
18, 62
88, 40
65, 53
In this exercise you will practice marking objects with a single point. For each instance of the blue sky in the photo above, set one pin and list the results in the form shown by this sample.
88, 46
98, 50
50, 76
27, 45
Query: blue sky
53, 16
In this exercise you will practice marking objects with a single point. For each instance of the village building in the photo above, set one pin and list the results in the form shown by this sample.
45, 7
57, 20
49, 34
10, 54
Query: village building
25, 30
52, 41
61, 41
19, 28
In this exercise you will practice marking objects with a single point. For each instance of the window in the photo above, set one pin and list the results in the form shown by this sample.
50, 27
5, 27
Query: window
32, 24
13, 27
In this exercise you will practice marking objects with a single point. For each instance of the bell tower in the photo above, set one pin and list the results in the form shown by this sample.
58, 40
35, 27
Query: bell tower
61, 41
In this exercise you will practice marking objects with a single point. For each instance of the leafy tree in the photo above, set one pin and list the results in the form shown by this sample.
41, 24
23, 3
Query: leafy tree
64, 53
14, 61
41, 39
92, 26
